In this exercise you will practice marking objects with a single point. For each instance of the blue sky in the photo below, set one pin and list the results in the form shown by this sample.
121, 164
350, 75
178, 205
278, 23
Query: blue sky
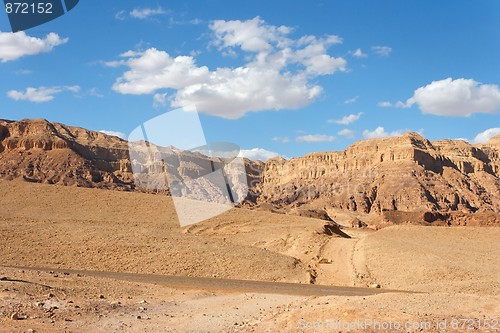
279, 77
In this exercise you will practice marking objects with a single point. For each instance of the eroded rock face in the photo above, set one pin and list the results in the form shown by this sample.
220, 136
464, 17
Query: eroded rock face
39, 151
407, 173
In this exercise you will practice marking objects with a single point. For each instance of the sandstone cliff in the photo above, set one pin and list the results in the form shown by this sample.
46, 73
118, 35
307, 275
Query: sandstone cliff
40, 151
407, 173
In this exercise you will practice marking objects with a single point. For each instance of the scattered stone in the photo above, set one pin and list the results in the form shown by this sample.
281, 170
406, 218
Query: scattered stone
3, 278
14, 316
101, 296
375, 285
139, 317
357, 223
115, 305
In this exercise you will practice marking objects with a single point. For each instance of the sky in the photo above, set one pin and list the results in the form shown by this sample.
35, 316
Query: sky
283, 77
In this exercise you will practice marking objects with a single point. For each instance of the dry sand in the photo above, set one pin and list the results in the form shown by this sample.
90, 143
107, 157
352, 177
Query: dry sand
456, 270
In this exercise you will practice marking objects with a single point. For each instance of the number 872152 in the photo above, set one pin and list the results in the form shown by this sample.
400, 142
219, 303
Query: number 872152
28, 8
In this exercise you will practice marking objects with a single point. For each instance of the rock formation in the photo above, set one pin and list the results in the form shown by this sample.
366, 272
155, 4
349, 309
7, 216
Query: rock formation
39, 151
404, 174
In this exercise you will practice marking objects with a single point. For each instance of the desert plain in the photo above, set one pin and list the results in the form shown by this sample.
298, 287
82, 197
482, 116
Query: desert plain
391, 235
58, 243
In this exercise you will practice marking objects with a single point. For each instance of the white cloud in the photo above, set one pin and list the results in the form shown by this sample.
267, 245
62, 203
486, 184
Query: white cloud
152, 70
346, 120
144, 13
160, 100
95, 92
114, 133
314, 55
16, 45
278, 73
284, 139
252, 35
24, 72
351, 100
230, 93
485, 136
41, 94
385, 104
460, 97
383, 51
258, 154
380, 132
347, 133
74, 89
315, 138
359, 54
121, 15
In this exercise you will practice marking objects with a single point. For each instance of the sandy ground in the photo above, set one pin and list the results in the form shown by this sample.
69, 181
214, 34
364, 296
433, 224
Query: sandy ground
454, 270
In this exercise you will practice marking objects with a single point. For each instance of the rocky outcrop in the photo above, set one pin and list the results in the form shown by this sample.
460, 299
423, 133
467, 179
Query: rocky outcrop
40, 151
406, 173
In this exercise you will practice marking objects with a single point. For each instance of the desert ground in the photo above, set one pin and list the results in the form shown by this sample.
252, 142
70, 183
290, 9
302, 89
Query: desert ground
90, 260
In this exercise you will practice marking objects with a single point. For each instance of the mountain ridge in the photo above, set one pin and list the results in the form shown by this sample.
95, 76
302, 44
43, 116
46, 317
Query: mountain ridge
408, 173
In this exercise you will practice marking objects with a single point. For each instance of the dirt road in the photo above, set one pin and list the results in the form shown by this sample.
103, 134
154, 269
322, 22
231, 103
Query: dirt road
224, 285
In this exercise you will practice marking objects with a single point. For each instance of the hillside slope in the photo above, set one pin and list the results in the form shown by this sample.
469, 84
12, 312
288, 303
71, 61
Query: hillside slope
405, 174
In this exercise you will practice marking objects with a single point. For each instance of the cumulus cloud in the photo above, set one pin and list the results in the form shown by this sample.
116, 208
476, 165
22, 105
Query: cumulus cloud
252, 35
278, 73
114, 133
460, 98
153, 69
16, 45
485, 136
346, 120
383, 51
257, 154
41, 94
380, 132
358, 53
347, 133
313, 138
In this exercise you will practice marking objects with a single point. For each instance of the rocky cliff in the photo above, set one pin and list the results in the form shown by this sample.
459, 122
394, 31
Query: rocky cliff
407, 173
40, 151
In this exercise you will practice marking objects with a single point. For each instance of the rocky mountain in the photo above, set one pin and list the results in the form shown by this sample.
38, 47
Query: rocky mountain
404, 174
407, 173
40, 151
